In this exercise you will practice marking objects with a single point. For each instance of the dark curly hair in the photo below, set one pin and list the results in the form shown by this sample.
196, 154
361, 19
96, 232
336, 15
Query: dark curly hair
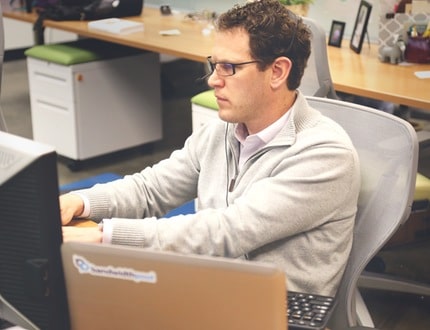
274, 31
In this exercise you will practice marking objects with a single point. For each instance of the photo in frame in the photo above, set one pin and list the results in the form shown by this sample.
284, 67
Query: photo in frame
336, 33
360, 26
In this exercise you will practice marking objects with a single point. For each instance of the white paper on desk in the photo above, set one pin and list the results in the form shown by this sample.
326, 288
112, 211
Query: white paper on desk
172, 32
116, 25
422, 74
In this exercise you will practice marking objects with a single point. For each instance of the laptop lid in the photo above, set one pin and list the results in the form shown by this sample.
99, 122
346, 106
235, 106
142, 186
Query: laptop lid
118, 287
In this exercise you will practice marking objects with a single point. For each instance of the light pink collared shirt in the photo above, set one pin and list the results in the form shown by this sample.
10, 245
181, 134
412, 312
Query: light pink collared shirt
250, 144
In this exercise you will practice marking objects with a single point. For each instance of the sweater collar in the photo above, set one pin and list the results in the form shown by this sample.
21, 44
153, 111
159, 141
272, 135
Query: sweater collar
300, 118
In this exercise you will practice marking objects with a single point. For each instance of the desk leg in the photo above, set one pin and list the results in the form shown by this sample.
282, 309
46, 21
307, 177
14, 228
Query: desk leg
39, 36
28, 5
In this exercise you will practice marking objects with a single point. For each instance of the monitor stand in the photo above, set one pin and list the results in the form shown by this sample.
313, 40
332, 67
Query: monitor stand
12, 315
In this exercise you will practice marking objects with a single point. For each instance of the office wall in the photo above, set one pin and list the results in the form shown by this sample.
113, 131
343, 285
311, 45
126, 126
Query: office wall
194, 5
19, 34
324, 11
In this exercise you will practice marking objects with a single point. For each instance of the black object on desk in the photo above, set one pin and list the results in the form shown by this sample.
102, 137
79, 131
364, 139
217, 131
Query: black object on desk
165, 10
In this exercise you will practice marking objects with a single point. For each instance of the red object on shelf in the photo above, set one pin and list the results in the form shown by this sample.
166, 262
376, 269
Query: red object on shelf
418, 50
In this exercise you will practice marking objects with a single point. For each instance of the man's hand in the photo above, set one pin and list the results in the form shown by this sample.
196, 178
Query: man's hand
82, 234
71, 205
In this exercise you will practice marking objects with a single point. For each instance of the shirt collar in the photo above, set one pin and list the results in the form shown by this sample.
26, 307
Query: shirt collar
265, 135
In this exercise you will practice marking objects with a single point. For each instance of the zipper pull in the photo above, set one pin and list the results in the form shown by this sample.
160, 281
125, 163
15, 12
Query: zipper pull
231, 186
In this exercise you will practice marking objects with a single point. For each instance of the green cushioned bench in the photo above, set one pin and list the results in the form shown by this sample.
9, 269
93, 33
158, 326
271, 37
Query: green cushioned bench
205, 99
422, 188
77, 52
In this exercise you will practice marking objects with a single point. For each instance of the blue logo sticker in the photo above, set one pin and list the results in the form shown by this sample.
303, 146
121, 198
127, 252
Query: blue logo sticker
128, 274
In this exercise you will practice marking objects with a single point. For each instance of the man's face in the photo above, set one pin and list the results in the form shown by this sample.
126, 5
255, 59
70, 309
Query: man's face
242, 96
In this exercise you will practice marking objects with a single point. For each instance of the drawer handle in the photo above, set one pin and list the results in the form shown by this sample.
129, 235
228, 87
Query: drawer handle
45, 76
51, 105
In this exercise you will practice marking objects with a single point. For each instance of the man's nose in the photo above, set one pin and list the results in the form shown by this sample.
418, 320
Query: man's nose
214, 80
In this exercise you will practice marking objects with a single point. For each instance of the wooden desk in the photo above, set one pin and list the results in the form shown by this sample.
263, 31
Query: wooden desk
82, 223
362, 75
191, 44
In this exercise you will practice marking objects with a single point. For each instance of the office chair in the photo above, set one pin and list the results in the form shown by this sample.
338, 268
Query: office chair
2, 120
383, 281
388, 150
317, 80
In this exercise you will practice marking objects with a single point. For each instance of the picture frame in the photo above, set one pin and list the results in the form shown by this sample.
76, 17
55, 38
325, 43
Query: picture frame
336, 33
360, 26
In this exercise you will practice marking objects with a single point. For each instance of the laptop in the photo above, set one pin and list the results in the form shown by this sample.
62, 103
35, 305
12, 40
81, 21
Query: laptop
119, 287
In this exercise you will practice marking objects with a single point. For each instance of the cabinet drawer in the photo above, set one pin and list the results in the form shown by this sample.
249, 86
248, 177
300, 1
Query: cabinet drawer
201, 116
54, 123
50, 79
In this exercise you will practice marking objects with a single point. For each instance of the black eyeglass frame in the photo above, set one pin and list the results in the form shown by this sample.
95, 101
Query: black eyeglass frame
213, 66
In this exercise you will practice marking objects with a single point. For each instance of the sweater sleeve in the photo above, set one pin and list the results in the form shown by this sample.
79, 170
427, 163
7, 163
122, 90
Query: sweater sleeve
152, 192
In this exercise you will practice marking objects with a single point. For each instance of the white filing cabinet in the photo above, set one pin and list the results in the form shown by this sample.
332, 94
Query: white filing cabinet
90, 109
201, 115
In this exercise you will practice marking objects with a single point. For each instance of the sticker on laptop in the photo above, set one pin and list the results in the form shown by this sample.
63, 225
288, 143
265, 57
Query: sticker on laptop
128, 274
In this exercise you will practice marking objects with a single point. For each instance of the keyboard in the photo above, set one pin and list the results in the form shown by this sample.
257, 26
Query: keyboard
308, 311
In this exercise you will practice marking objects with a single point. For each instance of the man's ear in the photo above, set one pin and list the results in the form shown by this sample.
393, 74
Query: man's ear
281, 68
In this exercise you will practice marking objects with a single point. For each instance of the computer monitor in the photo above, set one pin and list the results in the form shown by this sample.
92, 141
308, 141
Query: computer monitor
32, 289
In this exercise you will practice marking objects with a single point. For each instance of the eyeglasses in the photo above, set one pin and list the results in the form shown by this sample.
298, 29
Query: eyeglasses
226, 69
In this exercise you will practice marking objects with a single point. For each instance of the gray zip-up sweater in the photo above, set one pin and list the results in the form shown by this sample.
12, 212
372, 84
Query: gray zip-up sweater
292, 204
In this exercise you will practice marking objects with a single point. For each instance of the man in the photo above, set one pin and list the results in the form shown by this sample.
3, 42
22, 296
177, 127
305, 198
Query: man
275, 180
